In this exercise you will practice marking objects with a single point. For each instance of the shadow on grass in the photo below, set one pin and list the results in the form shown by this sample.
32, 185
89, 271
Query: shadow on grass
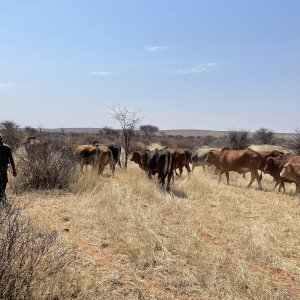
178, 194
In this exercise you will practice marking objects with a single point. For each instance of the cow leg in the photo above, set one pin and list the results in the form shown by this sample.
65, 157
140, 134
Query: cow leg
220, 174
161, 179
193, 167
227, 176
112, 167
100, 169
180, 171
170, 175
255, 175
297, 189
275, 185
119, 163
281, 185
258, 178
188, 169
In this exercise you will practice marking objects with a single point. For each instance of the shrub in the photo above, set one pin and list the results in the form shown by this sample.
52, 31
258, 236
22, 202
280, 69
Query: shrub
263, 136
41, 166
238, 139
294, 142
28, 259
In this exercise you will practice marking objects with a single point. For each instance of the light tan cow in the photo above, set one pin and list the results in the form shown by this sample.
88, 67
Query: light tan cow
291, 171
105, 157
87, 155
96, 156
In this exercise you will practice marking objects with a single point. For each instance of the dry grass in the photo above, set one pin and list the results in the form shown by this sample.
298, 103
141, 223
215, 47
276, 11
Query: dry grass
205, 240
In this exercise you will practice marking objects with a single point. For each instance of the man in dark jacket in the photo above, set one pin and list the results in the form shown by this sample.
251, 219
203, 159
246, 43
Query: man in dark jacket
5, 158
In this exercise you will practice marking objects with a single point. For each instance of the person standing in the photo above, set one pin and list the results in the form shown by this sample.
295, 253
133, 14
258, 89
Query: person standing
5, 159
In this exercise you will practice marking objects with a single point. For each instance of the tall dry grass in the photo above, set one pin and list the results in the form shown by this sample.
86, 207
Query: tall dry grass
204, 240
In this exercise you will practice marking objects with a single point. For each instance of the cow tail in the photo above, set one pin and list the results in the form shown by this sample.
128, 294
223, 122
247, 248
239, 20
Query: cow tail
112, 161
189, 159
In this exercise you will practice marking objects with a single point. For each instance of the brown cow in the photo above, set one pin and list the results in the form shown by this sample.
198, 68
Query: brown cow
97, 157
291, 171
264, 155
274, 166
115, 149
105, 157
182, 159
87, 154
137, 157
241, 161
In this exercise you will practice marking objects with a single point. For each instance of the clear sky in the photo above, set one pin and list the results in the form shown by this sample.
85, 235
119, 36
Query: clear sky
186, 64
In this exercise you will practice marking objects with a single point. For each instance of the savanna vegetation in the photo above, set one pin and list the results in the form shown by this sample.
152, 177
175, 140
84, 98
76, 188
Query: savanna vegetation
73, 235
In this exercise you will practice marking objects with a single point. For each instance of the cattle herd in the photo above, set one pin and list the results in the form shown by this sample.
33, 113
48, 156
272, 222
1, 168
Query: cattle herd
283, 167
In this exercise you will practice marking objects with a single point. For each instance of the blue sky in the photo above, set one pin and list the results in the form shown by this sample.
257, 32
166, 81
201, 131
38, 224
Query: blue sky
215, 65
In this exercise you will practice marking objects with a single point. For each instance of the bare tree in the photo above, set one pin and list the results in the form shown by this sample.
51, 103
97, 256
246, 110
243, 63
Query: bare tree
129, 121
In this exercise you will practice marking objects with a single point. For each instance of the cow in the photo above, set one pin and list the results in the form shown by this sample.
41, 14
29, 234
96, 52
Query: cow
137, 157
87, 155
182, 159
274, 166
198, 158
241, 161
116, 152
159, 161
96, 156
105, 157
264, 155
291, 171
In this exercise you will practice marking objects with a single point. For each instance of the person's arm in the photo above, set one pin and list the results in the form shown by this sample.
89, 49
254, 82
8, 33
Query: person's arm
12, 162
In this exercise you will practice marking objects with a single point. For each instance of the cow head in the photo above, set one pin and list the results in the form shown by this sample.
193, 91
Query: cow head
212, 157
287, 170
272, 165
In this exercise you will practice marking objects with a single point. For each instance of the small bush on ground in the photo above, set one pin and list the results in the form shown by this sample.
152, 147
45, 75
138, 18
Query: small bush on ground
28, 259
41, 166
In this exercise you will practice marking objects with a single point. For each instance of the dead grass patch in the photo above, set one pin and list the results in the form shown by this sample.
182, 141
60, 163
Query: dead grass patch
204, 240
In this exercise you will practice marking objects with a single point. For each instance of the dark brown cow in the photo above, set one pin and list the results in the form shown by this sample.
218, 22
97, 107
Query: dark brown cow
159, 161
182, 159
241, 161
264, 155
137, 157
274, 166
